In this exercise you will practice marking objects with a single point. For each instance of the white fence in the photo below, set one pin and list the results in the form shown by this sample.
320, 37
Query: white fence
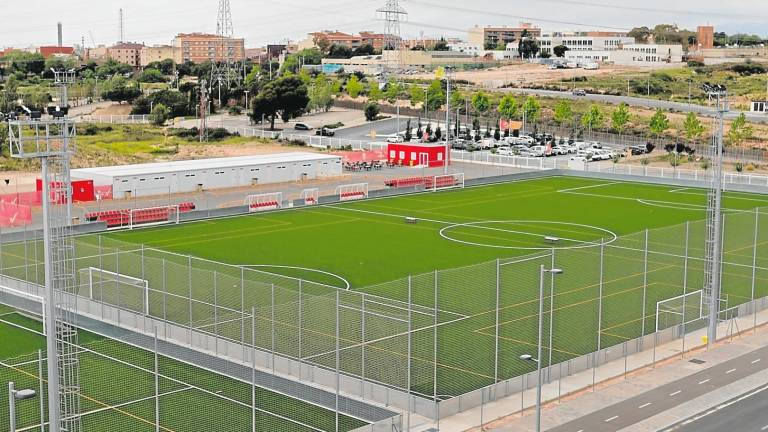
115, 119
313, 140
611, 168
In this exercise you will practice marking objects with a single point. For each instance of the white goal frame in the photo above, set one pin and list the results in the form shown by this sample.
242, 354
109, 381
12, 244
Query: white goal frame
142, 284
310, 196
172, 215
264, 202
351, 192
448, 181
35, 298
685, 301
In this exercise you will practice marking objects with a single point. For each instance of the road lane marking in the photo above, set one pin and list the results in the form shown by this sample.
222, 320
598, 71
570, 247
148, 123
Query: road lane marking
729, 371
705, 381
676, 393
764, 427
611, 419
644, 405
755, 361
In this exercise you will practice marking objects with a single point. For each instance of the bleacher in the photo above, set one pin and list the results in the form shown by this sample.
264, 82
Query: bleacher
266, 205
344, 196
117, 218
409, 182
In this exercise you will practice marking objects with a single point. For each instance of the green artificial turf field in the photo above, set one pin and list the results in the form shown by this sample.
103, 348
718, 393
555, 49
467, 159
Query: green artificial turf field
483, 312
118, 388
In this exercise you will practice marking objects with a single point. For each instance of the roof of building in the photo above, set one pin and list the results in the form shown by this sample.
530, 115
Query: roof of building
127, 45
198, 164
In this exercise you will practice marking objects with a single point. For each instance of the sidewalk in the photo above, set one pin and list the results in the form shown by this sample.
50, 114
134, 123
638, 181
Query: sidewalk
616, 381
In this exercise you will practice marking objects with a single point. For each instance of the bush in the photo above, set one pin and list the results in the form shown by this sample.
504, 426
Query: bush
705, 164
235, 110
747, 69
739, 167
372, 111
695, 64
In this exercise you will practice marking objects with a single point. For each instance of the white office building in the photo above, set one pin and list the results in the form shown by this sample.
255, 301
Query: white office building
206, 174
590, 41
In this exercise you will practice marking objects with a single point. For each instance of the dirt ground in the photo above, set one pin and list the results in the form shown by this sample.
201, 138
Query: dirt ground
249, 149
527, 73
116, 109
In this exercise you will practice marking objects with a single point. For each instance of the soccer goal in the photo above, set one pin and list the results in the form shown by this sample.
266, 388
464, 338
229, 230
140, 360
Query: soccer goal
123, 291
35, 299
153, 215
683, 309
449, 181
352, 192
310, 196
264, 202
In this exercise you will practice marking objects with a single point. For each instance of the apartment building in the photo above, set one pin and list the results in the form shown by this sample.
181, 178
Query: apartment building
501, 35
343, 39
202, 47
157, 53
126, 52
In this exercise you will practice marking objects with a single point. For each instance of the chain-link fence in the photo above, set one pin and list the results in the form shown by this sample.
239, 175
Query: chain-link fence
428, 342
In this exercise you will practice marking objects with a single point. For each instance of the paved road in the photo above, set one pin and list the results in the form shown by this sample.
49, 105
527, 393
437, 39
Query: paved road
745, 413
382, 128
656, 401
640, 102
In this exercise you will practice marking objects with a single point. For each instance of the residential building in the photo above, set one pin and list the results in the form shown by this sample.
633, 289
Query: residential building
97, 54
202, 47
343, 39
586, 41
501, 35
157, 53
376, 40
126, 52
56, 51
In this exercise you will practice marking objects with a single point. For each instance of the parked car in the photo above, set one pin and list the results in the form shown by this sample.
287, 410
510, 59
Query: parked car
538, 151
487, 143
505, 151
397, 139
325, 132
523, 139
637, 150
579, 92
459, 144
560, 150
302, 126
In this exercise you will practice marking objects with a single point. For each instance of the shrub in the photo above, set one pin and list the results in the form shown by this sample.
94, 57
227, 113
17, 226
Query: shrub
739, 167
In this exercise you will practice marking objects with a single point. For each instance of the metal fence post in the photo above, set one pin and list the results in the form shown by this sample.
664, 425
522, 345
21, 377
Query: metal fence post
272, 327
685, 284
40, 384
165, 301
645, 283
362, 345
242, 310
26, 260
434, 360
408, 377
754, 268
215, 314
117, 281
157, 387
101, 285
551, 316
301, 318
338, 360
496, 336
189, 277
599, 314
253, 369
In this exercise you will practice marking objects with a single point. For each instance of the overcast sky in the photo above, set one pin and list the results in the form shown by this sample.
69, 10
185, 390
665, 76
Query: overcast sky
261, 22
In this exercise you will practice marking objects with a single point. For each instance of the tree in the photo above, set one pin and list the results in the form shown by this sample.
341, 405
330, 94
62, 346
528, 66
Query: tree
441, 45
481, 103
364, 50
620, 118
393, 90
593, 118
354, 87
408, 131
160, 113
508, 107
285, 97
532, 109
119, 89
641, 34
560, 50
372, 111
528, 47
740, 131
175, 101
435, 95
659, 123
415, 94
339, 52
563, 112
693, 127
374, 92
151, 76
457, 99
322, 43
320, 94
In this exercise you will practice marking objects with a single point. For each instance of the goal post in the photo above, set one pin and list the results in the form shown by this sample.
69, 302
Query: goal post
114, 288
153, 215
679, 310
264, 202
310, 196
448, 181
24, 311
352, 192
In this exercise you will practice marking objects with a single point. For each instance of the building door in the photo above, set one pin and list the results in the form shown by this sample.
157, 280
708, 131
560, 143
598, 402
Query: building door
424, 159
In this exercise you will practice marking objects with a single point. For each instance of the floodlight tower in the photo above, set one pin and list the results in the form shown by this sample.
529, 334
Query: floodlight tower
52, 142
225, 71
713, 242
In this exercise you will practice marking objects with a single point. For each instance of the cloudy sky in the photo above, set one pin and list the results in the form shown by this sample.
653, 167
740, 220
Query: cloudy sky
261, 22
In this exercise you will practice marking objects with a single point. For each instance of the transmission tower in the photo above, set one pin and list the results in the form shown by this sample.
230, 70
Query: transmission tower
52, 142
713, 241
203, 109
225, 71
392, 14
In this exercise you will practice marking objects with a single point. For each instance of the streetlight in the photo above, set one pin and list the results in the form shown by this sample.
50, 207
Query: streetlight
246, 100
17, 395
528, 357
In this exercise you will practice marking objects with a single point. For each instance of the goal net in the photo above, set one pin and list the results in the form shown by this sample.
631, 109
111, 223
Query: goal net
449, 181
264, 202
153, 215
352, 192
310, 196
123, 291
683, 309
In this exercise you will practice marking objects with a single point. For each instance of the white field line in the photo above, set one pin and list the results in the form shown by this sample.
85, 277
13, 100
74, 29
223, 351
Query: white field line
374, 314
588, 187
21, 327
430, 311
729, 195
215, 324
657, 203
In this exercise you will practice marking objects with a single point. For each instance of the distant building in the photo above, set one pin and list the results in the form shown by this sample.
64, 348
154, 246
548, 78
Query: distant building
56, 51
501, 35
97, 54
157, 53
350, 41
758, 106
647, 54
126, 52
375, 64
705, 37
202, 47
587, 41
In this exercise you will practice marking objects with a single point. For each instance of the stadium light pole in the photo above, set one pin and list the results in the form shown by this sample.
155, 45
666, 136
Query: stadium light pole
17, 395
528, 357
